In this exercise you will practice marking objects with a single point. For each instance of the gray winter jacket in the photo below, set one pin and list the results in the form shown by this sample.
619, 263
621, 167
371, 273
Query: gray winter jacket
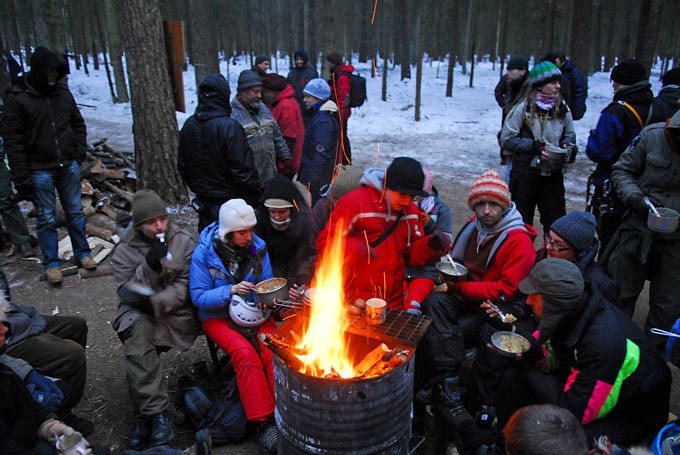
651, 166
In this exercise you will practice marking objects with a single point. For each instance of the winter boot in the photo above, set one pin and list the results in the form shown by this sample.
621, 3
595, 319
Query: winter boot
161, 429
139, 435
447, 399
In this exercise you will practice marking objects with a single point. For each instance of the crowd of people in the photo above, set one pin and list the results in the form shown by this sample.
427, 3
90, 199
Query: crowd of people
272, 177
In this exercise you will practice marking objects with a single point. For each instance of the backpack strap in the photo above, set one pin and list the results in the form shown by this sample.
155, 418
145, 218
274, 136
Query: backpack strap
387, 232
635, 113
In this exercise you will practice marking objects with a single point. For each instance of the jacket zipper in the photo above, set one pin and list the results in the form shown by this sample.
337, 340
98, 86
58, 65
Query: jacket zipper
54, 131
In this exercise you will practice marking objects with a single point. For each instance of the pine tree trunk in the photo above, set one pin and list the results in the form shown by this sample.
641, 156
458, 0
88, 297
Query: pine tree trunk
452, 37
115, 49
403, 40
153, 115
419, 54
581, 45
648, 31
54, 25
203, 39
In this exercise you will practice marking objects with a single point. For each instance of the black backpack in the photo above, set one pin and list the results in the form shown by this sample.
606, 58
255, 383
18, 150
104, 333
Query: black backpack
225, 419
357, 89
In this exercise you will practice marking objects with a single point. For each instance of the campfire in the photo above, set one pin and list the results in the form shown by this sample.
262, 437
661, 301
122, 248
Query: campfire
343, 385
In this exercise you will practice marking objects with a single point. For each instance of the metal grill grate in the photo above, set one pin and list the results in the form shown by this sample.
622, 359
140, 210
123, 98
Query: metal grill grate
400, 327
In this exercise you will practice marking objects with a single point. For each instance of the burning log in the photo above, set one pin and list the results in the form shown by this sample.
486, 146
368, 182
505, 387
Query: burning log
372, 358
281, 352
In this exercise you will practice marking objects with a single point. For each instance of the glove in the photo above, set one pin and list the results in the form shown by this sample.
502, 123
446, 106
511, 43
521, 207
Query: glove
26, 191
51, 429
157, 251
45, 392
439, 241
538, 147
415, 311
639, 207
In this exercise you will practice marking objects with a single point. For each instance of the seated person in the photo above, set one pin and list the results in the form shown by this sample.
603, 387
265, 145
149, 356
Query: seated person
541, 429
384, 232
435, 216
52, 346
588, 357
151, 269
497, 248
227, 263
572, 237
25, 426
284, 223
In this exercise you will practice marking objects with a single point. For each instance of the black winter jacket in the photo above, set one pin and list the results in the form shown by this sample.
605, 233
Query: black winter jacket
42, 126
214, 157
666, 103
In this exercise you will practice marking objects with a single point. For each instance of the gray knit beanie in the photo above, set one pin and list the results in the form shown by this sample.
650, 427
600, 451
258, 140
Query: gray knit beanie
248, 79
146, 204
577, 228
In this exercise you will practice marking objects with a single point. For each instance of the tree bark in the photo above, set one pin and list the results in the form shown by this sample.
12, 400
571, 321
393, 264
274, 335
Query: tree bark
54, 25
154, 125
203, 39
648, 32
581, 49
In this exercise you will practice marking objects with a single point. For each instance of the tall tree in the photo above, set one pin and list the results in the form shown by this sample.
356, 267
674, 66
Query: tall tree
648, 31
581, 48
203, 39
54, 22
116, 49
154, 125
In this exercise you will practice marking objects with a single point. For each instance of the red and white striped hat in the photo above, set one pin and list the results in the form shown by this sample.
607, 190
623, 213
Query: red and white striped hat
489, 187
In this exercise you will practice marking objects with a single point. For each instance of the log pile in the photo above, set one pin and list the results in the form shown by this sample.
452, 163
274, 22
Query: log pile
108, 184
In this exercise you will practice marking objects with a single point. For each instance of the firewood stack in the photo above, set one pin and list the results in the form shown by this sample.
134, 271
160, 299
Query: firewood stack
108, 184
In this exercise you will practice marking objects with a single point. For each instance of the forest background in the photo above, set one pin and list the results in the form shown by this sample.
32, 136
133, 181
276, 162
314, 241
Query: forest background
135, 40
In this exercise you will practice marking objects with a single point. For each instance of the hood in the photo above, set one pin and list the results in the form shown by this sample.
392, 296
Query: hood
213, 98
347, 68
287, 92
329, 106
301, 53
568, 67
674, 122
637, 93
42, 61
373, 177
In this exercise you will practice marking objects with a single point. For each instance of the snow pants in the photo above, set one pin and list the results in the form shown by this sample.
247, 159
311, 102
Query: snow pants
530, 189
253, 363
637, 255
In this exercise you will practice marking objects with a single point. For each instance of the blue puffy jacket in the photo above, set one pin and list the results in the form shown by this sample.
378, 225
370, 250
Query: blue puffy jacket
210, 282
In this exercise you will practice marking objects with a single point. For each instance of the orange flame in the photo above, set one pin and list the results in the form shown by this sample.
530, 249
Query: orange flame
324, 339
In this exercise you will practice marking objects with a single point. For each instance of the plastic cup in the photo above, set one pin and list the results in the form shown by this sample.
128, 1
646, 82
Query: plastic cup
72, 444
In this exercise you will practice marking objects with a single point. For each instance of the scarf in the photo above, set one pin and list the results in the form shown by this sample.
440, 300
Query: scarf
238, 261
511, 218
546, 102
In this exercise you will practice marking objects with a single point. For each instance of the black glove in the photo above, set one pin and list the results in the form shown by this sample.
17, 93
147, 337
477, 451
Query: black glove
45, 392
538, 147
157, 251
26, 191
639, 207
285, 167
439, 241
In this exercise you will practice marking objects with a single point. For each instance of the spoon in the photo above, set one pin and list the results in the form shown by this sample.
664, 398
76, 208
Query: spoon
664, 333
651, 206
455, 267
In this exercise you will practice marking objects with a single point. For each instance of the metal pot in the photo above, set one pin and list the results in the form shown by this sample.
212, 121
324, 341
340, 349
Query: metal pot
268, 291
666, 222
556, 154
450, 273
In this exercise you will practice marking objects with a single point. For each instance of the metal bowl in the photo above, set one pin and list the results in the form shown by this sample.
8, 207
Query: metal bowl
666, 222
556, 154
451, 273
268, 291
510, 343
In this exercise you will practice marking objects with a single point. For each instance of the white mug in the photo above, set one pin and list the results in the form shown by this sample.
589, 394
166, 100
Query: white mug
376, 311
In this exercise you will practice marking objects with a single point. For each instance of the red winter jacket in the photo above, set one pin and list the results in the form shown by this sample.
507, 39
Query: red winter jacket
286, 112
340, 86
509, 264
382, 275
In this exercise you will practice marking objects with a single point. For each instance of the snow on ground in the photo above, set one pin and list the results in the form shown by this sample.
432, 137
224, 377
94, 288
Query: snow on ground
455, 138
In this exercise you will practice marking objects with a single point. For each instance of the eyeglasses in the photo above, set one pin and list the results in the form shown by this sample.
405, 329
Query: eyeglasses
555, 246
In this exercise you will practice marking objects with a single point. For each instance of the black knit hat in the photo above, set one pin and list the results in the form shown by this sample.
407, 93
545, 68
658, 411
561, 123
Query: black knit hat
261, 58
334, 57
671, 77
629, 72
405, 175
248, 79
577, 228
146, 204
518, 62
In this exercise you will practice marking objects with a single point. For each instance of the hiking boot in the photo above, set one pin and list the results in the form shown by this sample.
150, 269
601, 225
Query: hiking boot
267, 437
87, 263
448, 405
139, 434
25, 250
161, 429
53, 275
83, 426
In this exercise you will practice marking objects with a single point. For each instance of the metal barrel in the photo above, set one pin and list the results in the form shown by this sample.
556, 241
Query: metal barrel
343, 416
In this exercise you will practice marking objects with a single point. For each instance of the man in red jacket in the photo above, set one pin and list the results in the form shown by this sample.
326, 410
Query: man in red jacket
279, 97
384, 232
497, 248
340, 87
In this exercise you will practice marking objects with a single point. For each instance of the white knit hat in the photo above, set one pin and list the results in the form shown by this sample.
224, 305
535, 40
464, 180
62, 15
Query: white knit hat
235, 215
